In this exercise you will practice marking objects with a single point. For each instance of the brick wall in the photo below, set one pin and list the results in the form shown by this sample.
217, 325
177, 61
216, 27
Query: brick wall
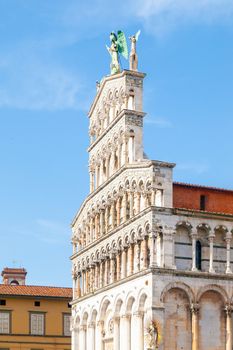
216, 200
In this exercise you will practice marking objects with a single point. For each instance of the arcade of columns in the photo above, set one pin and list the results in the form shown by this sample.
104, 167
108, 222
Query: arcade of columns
91, 331
138, 251
119, 151
118, 209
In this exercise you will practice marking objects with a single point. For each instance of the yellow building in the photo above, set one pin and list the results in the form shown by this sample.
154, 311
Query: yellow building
33, 317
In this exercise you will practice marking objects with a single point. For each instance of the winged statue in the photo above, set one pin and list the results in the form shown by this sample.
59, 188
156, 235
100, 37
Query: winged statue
118, 47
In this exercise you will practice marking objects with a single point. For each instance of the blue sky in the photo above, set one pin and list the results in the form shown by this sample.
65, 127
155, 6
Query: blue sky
51, 54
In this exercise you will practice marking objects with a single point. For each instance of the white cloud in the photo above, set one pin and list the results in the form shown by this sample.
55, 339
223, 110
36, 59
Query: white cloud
31, 83
160, 16
159, 122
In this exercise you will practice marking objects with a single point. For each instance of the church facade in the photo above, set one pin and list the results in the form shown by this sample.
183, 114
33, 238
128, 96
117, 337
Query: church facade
152, 259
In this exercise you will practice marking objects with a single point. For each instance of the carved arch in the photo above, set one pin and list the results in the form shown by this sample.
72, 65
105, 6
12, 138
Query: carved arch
178, 285
213, 288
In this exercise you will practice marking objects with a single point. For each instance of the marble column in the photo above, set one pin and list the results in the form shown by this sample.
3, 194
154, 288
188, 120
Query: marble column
96, 275
153, 251
83, 282
118, 266
107, 166
92, 181
74, 244
87, 280
78, 286
194, 240
228, 248
87, 234
112, 162
75, 338
92, 278
153, 196
102, 226
138, 203
112, 268
228, 310
125, 333
91, 229
101, 284
106, 216
137, 249
99, 336
96, 225
130, 260
123, 263
118, 209
101, 172
90, 336
124, 204
137, 339
116, 336
97, 176
131, 204
131, 150
83, 337
106, 272
144, 250
194, 311
119, 155
211, 249
113, 213
125, 150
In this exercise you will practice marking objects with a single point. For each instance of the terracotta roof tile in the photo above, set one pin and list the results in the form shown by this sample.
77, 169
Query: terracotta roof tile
39, 291
201, 186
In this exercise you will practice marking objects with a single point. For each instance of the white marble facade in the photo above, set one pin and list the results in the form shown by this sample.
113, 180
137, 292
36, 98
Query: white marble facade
135, 258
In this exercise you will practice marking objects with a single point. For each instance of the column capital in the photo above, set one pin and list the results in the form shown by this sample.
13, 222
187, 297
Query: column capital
125, 317
91, 325
228, 236
211, 236
228, 309
194, 308
112, 255
116, 319
154, 234
100, 323
193, 233
138, 314
83, 328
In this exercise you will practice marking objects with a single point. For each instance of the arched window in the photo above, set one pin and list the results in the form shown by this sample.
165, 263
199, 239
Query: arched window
14, 283
198, 255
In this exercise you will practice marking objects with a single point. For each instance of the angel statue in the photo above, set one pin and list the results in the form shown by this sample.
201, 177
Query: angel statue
118, 46
133, 58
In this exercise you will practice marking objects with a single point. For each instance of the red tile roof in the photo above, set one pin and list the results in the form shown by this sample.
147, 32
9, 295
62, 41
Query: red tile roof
36, 291
202, 186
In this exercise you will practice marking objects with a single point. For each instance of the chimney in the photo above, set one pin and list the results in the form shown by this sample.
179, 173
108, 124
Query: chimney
14, 276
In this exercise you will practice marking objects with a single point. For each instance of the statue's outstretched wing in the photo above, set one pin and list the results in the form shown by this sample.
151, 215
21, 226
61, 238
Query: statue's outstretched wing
122, 44
137, 34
